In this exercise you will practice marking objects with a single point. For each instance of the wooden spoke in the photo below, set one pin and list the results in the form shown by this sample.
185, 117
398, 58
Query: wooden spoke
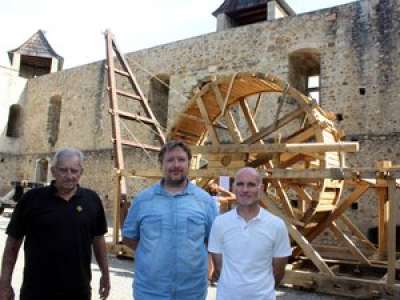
275, 126
228, 116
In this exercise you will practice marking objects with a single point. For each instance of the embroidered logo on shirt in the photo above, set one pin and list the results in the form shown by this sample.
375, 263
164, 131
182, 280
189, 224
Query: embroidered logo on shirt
79, 208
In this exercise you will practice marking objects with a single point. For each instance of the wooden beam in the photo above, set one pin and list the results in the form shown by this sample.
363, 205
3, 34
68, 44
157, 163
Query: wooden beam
278, 148
204, 114
228, 116
273, 127
136, 87
341, 236
340, 209
394, 200
283, 174
355, 231
190, 117
130, 116
382, 194
355, 288
299, 238
303, 135
140, 145
248, 116
128, 95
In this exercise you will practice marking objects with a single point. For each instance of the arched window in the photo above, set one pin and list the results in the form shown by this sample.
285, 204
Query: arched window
53, 121
14, 121
158, 97
42, 170
305, 71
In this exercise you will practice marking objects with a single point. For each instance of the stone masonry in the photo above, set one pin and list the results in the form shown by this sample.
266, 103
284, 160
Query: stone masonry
358, 49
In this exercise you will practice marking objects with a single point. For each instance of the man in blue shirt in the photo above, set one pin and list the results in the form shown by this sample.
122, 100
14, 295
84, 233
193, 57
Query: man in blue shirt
168, 227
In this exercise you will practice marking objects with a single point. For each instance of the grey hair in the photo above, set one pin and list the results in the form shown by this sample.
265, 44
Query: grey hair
66, 153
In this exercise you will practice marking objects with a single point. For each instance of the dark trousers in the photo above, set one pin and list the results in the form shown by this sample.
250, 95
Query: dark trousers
54, 295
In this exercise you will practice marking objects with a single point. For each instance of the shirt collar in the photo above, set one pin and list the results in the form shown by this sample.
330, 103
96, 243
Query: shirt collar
188, 190
257, 217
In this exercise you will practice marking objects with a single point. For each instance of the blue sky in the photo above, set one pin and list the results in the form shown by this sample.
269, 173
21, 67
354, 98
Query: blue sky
74, 27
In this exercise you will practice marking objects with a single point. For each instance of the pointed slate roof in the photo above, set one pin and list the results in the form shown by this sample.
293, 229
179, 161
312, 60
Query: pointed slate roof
37, 46
231, 6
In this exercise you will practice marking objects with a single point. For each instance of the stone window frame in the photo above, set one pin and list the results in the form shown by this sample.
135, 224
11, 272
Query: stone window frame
54, 119
14, 122
304, 64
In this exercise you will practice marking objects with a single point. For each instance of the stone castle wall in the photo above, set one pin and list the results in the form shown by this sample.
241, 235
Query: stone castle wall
359, 79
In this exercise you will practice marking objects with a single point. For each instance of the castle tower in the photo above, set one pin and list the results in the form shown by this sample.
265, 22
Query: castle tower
234, 13
35, 57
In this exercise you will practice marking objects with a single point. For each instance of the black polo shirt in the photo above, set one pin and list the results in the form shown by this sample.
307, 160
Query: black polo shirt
58, 238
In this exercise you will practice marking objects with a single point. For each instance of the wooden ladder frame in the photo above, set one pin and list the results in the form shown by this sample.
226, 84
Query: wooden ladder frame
117, 116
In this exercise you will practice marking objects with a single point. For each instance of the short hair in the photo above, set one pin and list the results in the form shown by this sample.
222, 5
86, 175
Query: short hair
172, 145
66, 153
254, 171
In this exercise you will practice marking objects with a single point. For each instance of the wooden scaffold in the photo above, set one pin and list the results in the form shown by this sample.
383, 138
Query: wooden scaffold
301, 157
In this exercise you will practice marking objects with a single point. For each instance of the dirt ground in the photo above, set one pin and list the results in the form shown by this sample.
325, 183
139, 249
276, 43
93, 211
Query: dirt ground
122, 272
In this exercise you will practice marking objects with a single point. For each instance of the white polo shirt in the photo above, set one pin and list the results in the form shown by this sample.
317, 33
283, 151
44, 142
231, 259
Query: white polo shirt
247, 249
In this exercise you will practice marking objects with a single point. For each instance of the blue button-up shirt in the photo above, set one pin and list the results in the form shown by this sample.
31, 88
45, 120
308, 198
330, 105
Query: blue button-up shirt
171, 257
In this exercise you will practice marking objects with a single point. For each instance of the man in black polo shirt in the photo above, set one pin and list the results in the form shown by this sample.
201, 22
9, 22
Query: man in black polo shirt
60, 223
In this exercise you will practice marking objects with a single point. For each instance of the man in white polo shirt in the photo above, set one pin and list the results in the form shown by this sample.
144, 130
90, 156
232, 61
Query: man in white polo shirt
249, 244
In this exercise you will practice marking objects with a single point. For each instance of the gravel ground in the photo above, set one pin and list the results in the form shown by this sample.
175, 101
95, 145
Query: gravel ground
122, 271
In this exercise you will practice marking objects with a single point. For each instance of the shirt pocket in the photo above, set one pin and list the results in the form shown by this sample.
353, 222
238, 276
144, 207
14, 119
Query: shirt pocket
151, 227
195, 228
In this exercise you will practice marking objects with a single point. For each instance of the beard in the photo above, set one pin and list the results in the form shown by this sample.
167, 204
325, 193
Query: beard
176, 181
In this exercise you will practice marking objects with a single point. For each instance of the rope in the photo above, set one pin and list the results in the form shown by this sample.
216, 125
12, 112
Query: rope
281, 101
138, 142
162, 83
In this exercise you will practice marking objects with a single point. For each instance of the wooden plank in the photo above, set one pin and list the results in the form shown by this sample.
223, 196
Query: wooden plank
343, 206
204, 114
130, 116
282, 194
277, 148
115, 120
251, 123
382, 194
355, 231
128, 95
301, 175
225, 156
136, 87
299, 238
273, 127
122, 73
302, 135
394, 200
340, 235
228, 116
190, 117
355, 288
140, 145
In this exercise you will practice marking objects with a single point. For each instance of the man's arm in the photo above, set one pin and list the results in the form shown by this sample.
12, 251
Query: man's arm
278, 267
7, 267
100, 252
130, 243
217, 261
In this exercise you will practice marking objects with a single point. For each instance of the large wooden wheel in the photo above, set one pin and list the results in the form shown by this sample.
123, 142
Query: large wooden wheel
246, 109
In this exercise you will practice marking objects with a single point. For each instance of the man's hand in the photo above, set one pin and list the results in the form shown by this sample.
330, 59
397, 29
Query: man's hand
6, 291
104, 289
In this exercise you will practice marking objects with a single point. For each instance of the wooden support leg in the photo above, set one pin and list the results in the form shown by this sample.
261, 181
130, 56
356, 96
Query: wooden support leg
382, 193
300, 240
394, 200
